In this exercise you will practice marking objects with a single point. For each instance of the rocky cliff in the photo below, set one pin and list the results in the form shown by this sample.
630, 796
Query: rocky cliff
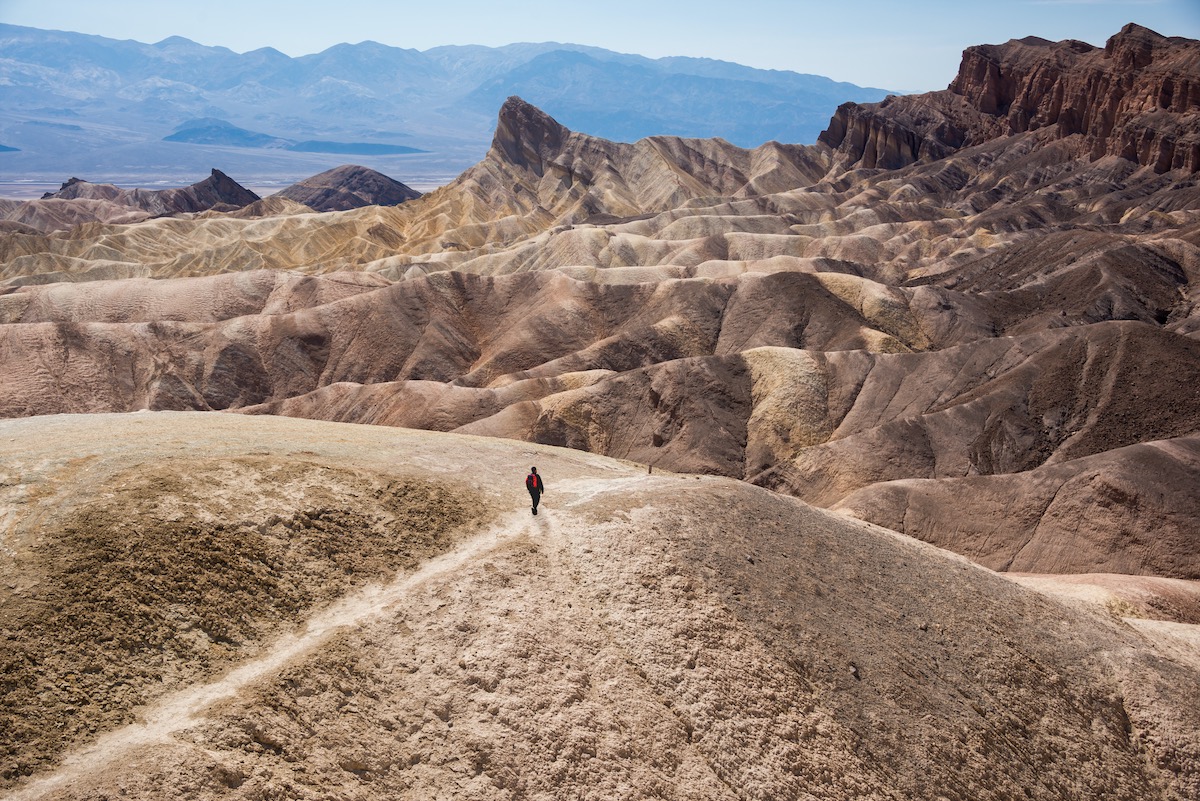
1137, 98
573, 176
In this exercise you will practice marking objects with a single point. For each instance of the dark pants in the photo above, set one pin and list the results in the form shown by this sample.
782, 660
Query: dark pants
535, 496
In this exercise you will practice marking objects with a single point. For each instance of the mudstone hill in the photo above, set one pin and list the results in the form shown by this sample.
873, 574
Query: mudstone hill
872, 465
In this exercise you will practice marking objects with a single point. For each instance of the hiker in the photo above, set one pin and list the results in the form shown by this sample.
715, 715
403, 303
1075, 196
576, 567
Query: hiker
533, 483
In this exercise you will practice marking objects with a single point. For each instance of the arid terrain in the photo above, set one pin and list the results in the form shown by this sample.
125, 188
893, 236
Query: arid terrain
209, 606
969, 318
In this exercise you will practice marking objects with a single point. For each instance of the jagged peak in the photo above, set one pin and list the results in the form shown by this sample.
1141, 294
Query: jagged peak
1133, 46
517, 110
1134, 31
67, 184
221, 181
526, 135
227, 189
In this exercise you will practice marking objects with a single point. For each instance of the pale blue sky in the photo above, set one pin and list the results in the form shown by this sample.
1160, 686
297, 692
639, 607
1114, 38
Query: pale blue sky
884, 43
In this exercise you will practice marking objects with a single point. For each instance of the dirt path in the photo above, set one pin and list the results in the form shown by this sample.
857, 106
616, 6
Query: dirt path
187, 708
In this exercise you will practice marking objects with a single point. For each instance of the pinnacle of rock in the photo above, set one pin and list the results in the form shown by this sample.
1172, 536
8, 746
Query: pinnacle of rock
526, 135
865, 447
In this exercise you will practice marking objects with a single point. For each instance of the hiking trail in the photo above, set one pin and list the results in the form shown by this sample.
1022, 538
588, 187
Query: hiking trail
187, 707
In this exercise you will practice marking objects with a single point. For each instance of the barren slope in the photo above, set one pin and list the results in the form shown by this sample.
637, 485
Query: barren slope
1129, 510
1021, 297
698, 375
662, 635
348, 187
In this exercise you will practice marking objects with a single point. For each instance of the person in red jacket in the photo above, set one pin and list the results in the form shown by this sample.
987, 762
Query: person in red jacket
533, 483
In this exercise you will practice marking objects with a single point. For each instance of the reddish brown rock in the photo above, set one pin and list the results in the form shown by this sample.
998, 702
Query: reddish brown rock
1137, 98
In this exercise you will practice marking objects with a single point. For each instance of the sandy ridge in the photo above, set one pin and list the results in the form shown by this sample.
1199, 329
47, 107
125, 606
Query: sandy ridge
647, 636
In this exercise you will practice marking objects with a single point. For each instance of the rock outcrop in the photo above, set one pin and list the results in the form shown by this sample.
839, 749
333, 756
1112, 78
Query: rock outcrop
1137, 98
78, 202
348, 187
1007, 312
218, 192
992, 346
538, 174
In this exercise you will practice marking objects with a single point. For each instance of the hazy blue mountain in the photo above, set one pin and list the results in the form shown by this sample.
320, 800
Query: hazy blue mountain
352, 148
212, 131
475, 64
124, 110
370, 64
628, 100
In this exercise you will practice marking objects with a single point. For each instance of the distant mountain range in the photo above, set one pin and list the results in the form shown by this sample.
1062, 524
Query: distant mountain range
971, 317
211, 131
78, 104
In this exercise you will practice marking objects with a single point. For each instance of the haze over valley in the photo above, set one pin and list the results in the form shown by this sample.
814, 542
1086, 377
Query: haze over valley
134, 113
872, 458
